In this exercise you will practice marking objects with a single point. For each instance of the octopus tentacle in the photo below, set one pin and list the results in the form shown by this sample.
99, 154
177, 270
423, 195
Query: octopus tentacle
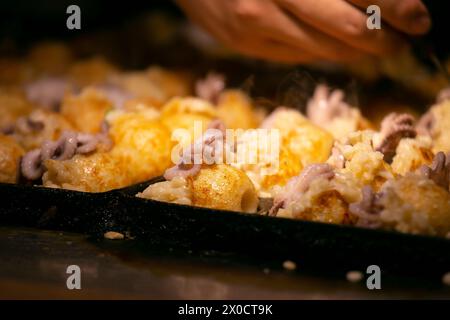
394, 127
439, 171
210, 87
31, 165
368, 209
205, 148
300, 184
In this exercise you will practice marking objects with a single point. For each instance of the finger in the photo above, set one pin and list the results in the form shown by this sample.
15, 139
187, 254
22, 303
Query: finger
283, 28
345, 22
272, 50
409, 16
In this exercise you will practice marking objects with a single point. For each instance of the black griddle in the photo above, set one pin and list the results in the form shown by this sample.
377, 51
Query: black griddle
315, 246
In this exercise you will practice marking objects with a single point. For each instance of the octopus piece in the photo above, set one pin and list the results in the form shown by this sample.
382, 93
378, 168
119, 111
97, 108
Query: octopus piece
368, 209
203, 148
114, 93
28, 125
31, 166
210, 87
325, 105
426, 124
10, 154
67, 146
62, 149
439, 171
48, 92
443, 95
394, 127
300, 184
337, 159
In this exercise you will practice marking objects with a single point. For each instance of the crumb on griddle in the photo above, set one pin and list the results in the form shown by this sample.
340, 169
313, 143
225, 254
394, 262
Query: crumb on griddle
446, 279
354, 276
112, 235
289, 265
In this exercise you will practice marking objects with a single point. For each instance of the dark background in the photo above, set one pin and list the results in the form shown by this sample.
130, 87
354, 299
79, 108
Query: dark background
25, 22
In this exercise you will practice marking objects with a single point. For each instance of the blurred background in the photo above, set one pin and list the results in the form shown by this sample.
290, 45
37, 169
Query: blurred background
136, 34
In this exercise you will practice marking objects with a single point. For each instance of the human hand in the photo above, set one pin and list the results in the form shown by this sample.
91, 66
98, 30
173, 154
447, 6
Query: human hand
308, 30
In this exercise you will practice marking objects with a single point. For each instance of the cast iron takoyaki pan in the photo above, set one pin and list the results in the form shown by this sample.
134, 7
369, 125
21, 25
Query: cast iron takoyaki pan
312, 245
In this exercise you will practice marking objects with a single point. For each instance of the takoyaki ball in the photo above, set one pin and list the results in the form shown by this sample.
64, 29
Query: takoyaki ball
235, 108
96, 172
216, 187
320, 193
50, 58
13, 105
187, 114
435, 123
172, 84
328, 207
14, 72
87, 110
91, 71
415, 204
10, 154
142, 142
356, 156
284, 119
40, 125
327, 109
224, 187
140, 105
301, 144
411, 154
155, 85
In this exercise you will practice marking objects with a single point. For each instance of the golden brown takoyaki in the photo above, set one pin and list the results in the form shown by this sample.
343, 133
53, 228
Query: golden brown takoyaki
10, 154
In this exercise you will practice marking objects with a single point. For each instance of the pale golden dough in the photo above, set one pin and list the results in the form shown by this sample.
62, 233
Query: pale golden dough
92, 173
50, 58
411, 154
340, 127
328, 207
440, 132
142, 142
216, 187
361, 161
156, 85
10, 154
14, 72
87, 110
414, 204
325, 200
224, 187
13, 105
91, 71
236, 110
301, 143
177, 190
185, 113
